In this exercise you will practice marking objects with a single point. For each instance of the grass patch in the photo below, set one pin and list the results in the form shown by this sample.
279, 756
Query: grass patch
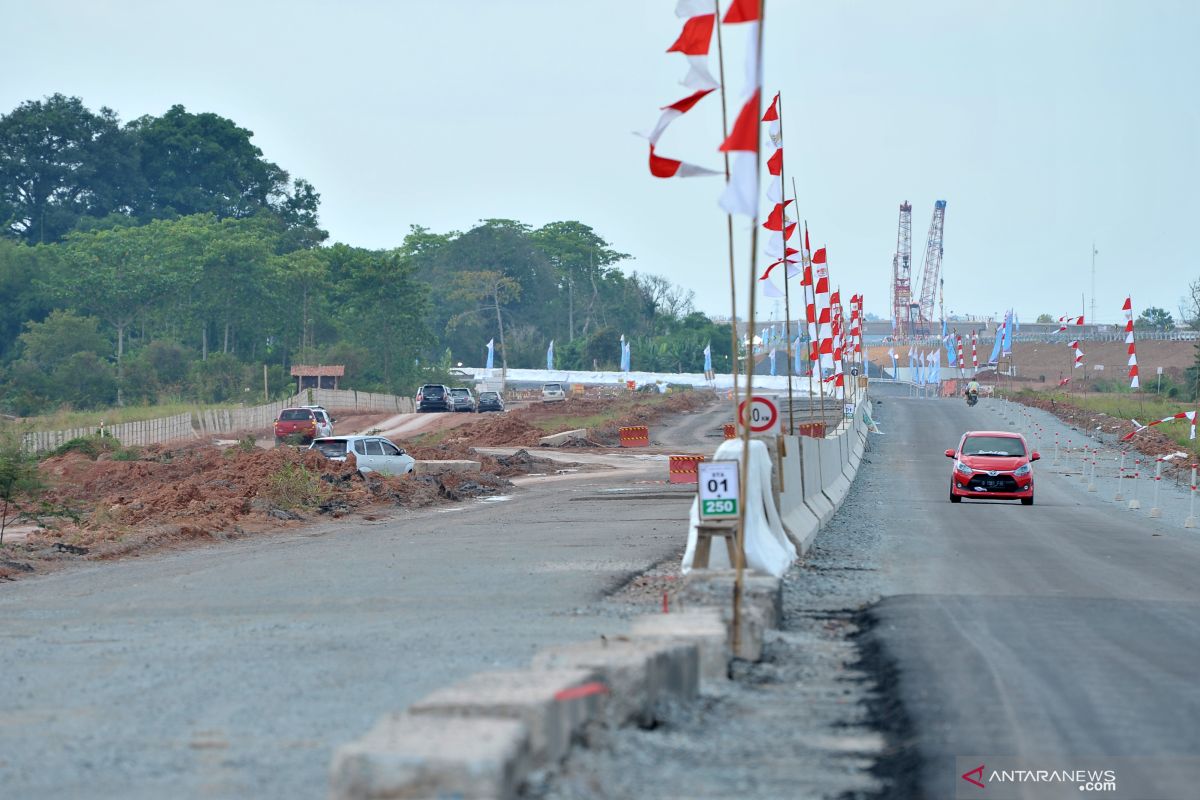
1126, 406
569, 422
91, 446
295, 486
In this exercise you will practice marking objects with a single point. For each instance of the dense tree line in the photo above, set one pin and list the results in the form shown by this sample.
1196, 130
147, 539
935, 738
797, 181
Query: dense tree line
168, 259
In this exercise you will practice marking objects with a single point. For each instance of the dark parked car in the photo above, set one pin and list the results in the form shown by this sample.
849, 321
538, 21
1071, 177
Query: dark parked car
434, 397
461, 399
490, 401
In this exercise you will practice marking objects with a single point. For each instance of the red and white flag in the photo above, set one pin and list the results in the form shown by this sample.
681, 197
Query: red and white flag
962, 367
661, 167
1190, 416
674, 111
694, 42
975, 352
1133, 369
1078, 353
741, 193
823, 306
1064, 321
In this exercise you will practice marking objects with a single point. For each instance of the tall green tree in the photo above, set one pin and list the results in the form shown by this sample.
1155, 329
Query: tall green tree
581, 259
118, 274
60, 162
1156, 319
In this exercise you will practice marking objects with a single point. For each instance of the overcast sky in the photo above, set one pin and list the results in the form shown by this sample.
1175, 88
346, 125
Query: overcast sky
1044, 125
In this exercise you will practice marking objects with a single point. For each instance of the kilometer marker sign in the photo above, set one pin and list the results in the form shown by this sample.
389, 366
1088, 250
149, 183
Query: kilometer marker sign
718, 487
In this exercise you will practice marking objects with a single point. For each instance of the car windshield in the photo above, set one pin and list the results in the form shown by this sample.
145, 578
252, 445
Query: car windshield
293, 414
488, 395
431, 391
460, 393
330, 448
993, 446
552, 387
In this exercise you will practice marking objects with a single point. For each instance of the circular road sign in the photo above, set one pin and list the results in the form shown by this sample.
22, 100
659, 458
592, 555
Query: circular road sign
854, 371
763, 415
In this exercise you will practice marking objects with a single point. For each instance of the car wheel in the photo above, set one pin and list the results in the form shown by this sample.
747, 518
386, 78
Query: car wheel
1026, 501
955, 498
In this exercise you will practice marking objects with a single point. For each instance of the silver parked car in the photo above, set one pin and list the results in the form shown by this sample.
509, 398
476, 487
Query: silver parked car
373, 453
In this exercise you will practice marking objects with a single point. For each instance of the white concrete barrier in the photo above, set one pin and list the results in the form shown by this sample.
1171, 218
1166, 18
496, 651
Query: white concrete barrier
799, 520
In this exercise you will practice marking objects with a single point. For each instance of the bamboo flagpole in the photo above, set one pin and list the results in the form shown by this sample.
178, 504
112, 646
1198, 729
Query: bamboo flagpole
783, 235
733, 333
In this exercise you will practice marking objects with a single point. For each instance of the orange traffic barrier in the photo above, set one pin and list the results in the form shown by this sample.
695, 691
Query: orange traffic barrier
730, 430
634, 436
684, 469
814, 429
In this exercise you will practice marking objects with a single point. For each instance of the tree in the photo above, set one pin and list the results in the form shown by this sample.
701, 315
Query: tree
490, 291
203, 163
18, 473
580, 258
118, 274
60, 162
1189, 306
49, 344
1156, 319
1045, 319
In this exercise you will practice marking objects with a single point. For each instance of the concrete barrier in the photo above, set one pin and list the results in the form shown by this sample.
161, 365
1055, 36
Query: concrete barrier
832, 454
559, 439
406, 756
554, 704
799, 520
813, 480
444, 467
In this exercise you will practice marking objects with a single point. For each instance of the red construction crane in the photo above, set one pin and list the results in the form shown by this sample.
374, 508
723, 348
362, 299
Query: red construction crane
902, 274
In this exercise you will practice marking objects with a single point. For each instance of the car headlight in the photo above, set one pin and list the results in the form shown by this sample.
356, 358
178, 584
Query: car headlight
963, 468
1024, 469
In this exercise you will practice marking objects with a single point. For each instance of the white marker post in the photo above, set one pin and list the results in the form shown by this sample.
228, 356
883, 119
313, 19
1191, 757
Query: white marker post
1134, 504
1190, 522
1118, 497
1092, 479
1155, 511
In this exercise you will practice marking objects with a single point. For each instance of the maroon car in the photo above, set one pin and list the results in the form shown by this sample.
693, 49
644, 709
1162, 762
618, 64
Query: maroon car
992, 465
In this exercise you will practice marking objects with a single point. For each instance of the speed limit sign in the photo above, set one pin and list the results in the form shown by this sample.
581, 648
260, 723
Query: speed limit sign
762, 415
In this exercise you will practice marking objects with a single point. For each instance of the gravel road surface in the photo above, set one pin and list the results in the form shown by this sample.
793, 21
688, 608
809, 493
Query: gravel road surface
232, 671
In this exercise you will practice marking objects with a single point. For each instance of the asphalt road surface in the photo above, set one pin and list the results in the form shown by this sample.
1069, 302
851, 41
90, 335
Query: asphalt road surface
234, 670
1066, 632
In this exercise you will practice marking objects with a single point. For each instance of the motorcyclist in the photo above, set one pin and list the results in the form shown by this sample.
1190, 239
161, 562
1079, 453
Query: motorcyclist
972, 390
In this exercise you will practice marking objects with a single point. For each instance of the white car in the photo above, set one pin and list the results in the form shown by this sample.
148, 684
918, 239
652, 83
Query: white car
324, 421
373, 453
553, 392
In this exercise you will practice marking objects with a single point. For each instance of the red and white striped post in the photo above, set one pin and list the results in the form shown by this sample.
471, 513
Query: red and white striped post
1134, 503
1119, 496
1155, 511
1190, 522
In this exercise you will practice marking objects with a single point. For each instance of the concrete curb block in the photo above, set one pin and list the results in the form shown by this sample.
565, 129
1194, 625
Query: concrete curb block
558, 439
702, 626
640, 674
444, 467
553, 704
406, 756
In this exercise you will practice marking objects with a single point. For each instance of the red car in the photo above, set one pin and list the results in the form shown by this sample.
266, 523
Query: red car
993, 465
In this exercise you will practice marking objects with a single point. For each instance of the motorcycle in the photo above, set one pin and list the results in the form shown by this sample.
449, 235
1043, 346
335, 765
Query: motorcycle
972, 398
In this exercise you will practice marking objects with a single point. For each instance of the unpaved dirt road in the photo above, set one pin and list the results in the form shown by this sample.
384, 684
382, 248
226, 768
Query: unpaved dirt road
233, 670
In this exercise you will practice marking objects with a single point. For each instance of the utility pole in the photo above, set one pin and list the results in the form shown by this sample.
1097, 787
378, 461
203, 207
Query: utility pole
1094, 252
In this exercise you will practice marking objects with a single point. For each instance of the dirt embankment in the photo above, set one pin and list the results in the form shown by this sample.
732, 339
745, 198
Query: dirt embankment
127, 502
524, 427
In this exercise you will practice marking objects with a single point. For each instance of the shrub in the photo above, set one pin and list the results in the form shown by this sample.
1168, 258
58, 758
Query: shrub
295, 486
91, 446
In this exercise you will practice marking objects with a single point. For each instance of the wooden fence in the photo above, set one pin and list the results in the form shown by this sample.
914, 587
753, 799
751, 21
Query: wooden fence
210, 422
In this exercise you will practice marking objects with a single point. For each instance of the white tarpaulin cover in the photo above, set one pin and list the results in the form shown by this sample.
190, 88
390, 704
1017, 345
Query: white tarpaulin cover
768, 548
697, 379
